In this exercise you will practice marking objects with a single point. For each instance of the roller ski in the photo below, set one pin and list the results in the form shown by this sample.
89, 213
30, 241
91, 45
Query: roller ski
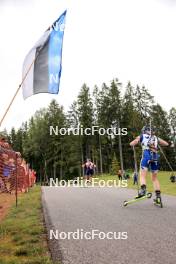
138, 199
158, 201
142, 195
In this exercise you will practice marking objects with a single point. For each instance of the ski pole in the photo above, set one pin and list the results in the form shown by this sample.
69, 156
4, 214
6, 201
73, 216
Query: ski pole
136, 168
165, 158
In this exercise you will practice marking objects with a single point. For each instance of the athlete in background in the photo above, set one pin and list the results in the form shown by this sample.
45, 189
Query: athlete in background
89, 168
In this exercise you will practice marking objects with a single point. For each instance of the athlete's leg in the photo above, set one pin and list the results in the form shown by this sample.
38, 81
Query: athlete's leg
145, 163
156, 184
91, 174
142, 190
143, 174
88, 175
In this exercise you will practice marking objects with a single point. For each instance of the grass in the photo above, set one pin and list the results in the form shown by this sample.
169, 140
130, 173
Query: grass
22, 233
6, 202
164, 177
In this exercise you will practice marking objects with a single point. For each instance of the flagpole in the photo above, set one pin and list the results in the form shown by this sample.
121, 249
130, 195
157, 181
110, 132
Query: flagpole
17, 91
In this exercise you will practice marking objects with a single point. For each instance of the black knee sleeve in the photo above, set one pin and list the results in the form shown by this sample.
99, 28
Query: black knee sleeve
158, 193
143, 187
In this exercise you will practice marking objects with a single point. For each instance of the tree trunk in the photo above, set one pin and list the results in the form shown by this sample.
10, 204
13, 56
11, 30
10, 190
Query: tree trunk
121, 153
100, 152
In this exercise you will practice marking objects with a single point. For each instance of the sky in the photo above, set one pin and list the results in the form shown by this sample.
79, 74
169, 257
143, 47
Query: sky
132, 40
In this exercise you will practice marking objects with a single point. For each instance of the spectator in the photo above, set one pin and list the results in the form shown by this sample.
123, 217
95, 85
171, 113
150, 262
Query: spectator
20, 173
4, 143
13, 167
26, 175
135, 178
12, 179
33, 177
120, 174
5, 171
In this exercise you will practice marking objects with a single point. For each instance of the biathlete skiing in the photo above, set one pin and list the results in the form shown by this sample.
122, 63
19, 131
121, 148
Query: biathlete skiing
149, 161
89, 168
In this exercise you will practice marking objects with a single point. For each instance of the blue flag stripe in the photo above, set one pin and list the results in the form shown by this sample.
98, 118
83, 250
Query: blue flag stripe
55, 54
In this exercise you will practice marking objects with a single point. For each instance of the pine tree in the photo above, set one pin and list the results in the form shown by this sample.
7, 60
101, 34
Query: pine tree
172, 120
115, 166
160, 120
85, 115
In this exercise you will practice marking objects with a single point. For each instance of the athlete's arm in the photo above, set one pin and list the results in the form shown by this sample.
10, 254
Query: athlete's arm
135, 141
163, 142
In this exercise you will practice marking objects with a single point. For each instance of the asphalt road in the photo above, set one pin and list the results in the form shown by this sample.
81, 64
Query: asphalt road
151, 230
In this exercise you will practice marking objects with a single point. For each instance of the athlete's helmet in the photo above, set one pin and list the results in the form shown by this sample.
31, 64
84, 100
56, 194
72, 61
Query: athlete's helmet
148, 129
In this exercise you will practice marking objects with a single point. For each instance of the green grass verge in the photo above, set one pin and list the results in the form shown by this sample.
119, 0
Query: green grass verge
166, 186
22, 233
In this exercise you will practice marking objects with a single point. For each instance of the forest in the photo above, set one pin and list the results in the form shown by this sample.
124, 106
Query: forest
109, 106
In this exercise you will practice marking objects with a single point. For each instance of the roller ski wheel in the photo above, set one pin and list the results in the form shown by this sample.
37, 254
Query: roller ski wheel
125, 203
149, 195
158, 202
